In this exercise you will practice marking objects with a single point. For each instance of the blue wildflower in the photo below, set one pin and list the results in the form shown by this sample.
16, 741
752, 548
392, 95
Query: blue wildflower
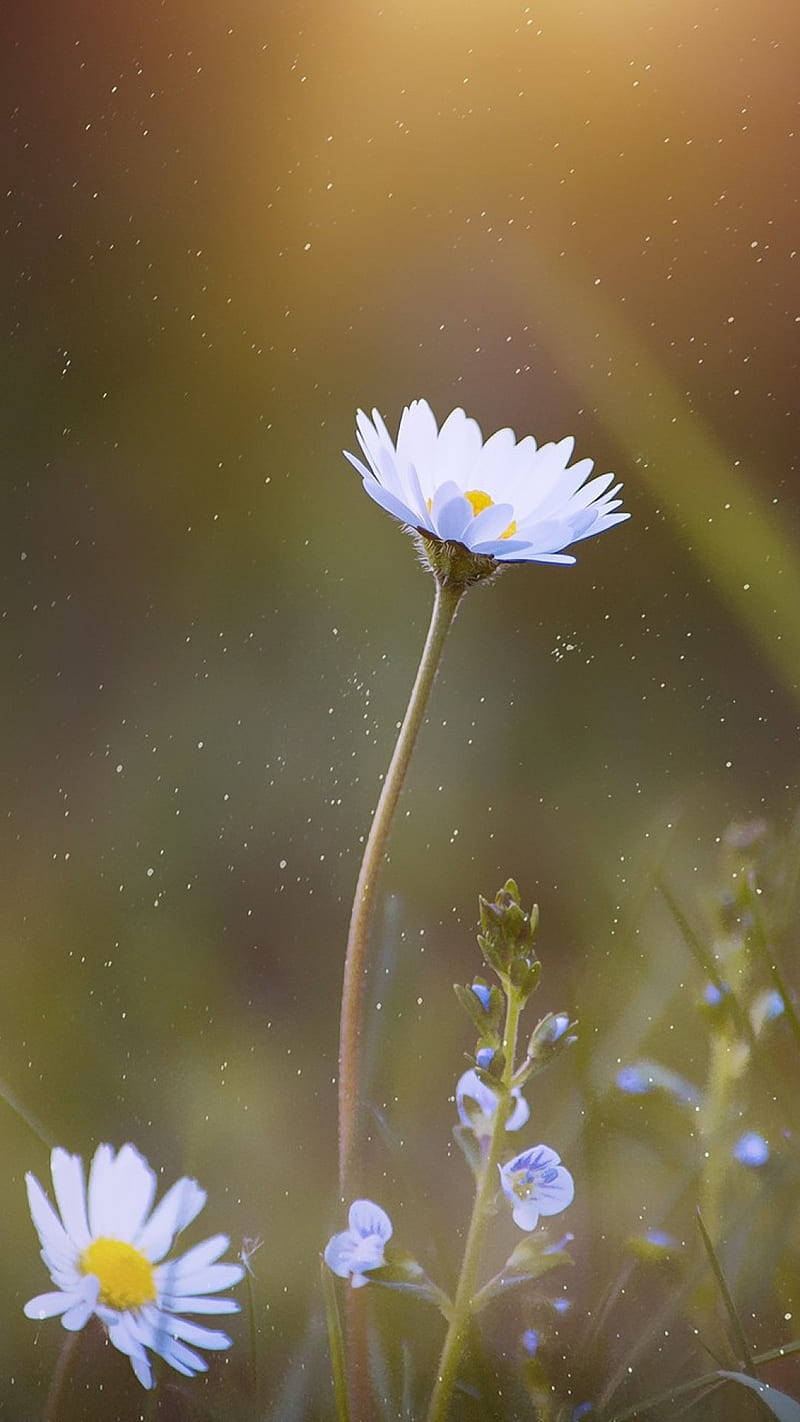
360, 1246
479, 1115
530, 1342
537, 1184
644, 1076
751, 1149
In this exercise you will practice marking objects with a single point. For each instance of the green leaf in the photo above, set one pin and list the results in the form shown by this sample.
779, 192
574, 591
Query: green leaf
531, 1259
783, 1407
401, 1271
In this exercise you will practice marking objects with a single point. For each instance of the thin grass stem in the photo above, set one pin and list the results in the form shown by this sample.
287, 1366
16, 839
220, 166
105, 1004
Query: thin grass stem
746, 1355
335, 1345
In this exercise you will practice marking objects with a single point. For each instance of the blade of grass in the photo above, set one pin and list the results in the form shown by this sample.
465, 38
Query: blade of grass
759, 942
336, 1345
730, 1307
12, 1101
695, 1384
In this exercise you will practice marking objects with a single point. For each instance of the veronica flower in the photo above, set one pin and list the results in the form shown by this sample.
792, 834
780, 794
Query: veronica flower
359, 1248
751, 1149
767, 1007
537, 1184
499, 498
104, 1250
477, 1103
530, 1341
642, 1077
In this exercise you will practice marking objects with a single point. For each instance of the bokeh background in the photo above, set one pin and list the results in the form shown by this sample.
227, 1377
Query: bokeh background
225, 228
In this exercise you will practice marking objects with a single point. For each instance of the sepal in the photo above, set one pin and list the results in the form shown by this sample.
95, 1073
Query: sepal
470, 1147
484, 1007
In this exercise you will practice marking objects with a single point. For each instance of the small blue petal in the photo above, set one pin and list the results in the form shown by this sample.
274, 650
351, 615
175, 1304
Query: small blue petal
751, 1149
483, 994
632, 1080
660, 1238
530, 1342
773, 1006
557, 1027
560, 1244
582, 1410
485, 1057
713, 995
562, 1305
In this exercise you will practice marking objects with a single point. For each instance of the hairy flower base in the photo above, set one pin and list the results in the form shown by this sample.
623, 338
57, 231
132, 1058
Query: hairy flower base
453, 565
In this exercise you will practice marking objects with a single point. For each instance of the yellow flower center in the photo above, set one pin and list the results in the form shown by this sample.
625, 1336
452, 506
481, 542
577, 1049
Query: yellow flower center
126, 1276
481, 501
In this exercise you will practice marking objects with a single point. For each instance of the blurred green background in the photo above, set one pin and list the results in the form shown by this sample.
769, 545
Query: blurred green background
225, 228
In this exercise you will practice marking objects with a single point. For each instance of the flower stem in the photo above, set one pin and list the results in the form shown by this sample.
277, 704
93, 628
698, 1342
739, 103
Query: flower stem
352, 1013
486, 1188
55, 1397
251, 1319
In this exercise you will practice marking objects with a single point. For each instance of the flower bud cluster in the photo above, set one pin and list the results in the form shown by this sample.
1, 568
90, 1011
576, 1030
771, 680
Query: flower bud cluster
506, 939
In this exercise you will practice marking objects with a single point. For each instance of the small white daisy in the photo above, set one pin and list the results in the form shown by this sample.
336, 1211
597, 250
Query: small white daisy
499, 499
536, 1183
361, 1246
104, 1256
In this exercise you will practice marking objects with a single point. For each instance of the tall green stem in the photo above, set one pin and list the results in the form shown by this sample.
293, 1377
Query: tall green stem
351, 1027
355, 964
486, 1188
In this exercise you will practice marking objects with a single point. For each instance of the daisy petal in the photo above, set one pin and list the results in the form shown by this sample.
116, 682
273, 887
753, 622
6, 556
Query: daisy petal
206, 1281
489, 524
181, 1204
180, 1303
451, 518
135, 1184
48, 1226
70, 1192
427, 472
389, 501
49, 1305
197, 1336
197, 1258
102, 1200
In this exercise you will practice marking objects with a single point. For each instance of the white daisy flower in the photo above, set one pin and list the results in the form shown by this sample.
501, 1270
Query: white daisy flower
499, 499
361, 1246
536, 1183
477, 1103
104, 1254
